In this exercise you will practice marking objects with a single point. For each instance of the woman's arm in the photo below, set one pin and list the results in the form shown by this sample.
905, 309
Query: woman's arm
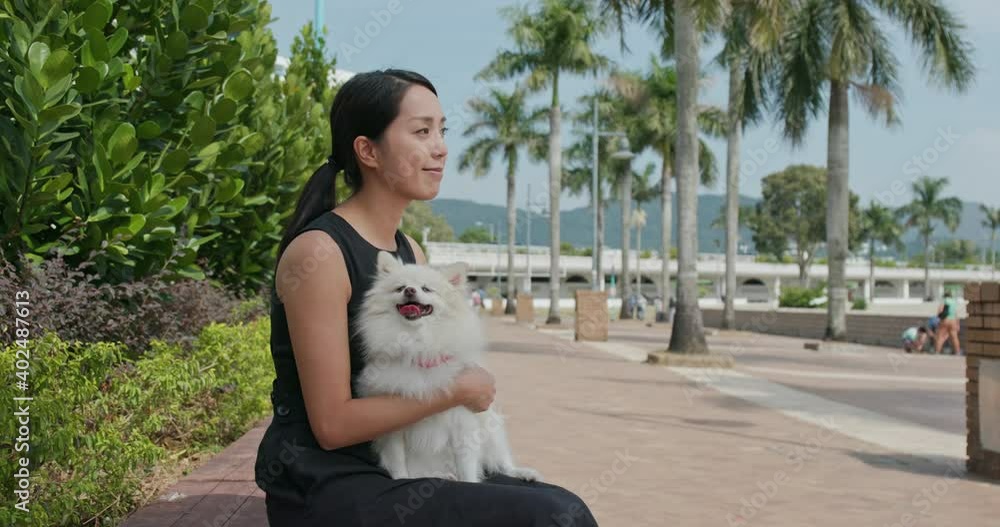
315, 288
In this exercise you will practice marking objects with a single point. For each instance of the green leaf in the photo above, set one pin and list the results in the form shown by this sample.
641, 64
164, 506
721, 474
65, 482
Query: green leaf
57, 89
98, 46
177, 45
97, 15
87, 80
59, 113
195, 99
201, 83
129, 78
57, 183
171, 209
239, 85
136, 222
59, 64
192, 271
223, 110
231, 55
194, 243
130, 166
253, 143
38, 53
194, 18
100, 214
156, 184
103, 169
228, 189
117, 40
259, 199
175, 161
122, 143
202, 130
148, 130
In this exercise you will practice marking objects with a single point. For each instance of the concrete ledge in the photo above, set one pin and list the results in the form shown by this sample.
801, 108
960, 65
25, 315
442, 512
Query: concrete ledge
690, 360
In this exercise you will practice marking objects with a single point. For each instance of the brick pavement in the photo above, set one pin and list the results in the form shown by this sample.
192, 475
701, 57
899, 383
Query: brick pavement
642, 451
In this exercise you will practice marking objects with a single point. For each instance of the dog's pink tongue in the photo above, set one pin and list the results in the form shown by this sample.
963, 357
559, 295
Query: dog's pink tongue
409, 310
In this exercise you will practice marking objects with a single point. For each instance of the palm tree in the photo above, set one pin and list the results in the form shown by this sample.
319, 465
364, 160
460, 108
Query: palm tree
652, 97
928, 206
556, 38
992, 222
878, 225
682, 25
751, 35
503, 124
839, 46
578, 174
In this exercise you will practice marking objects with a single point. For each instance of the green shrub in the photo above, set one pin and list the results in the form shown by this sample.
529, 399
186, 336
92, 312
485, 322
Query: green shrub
149, 129
860, 304
800, 296
100, 422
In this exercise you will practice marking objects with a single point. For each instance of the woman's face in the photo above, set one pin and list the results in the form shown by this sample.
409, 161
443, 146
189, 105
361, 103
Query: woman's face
411, 153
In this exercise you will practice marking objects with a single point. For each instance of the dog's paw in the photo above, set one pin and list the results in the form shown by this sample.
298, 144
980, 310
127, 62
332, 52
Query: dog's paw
525, 473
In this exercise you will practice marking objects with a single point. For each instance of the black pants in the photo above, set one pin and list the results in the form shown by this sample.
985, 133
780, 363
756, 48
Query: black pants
373, 500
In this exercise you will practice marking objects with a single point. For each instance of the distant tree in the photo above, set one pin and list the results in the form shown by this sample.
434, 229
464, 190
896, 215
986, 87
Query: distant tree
791, 216
419, 215
928, 206
475, 234
879, 225
992, 222
957, 252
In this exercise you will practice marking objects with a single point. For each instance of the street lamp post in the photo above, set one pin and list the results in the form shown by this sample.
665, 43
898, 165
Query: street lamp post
624, 154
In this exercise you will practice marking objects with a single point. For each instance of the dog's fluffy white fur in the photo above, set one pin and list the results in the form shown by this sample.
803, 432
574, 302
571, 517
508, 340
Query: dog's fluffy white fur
416, 351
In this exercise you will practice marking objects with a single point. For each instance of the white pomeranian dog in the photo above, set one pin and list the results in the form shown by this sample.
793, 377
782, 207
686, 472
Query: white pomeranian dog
419, 333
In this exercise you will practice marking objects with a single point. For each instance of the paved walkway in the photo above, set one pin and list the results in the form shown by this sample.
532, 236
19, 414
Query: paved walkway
654, 446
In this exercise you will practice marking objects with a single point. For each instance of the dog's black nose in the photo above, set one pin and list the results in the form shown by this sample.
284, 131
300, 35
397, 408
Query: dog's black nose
409, 292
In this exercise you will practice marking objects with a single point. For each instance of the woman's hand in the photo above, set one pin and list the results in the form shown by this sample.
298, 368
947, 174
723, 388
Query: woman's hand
475, 389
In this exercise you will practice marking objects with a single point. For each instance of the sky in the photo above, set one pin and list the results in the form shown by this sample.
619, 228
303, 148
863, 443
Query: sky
942, 134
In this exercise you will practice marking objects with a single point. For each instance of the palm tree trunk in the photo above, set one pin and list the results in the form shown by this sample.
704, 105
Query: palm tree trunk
928, 296
511, 228
626, 190
666, 224
837, 212
687, 335
555, 189
732, 193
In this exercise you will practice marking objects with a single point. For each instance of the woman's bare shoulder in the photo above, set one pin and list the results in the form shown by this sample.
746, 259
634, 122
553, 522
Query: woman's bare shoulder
418, 253
311, 259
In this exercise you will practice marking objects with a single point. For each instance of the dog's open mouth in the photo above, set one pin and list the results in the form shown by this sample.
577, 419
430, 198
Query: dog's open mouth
414, 310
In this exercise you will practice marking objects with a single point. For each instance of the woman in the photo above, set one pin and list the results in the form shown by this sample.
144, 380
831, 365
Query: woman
949, 326
315, 461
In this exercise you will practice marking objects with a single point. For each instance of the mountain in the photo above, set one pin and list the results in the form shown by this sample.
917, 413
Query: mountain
577, 224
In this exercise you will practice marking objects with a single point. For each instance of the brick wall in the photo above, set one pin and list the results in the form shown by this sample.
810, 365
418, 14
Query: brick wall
862, 328
982, 370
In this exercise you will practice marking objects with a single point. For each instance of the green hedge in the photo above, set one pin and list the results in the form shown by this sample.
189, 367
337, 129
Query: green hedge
800, 296
100, 423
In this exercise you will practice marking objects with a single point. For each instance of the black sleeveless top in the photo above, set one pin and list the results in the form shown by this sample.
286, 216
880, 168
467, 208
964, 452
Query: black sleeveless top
290, 462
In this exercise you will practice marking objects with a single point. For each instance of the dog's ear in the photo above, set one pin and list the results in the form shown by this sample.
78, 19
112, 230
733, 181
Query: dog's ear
455, 273
387, 262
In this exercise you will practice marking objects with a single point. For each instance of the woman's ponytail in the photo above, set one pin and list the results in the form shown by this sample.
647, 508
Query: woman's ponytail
318, 196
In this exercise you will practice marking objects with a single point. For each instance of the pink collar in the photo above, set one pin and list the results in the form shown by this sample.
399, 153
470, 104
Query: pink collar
436, 361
